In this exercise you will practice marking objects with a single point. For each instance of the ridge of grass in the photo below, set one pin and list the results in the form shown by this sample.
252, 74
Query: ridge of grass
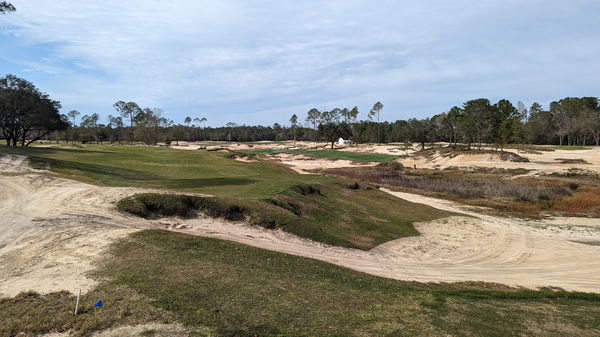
317, 212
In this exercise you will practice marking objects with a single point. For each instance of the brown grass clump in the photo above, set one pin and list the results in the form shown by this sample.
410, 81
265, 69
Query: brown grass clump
587, 199
459, 187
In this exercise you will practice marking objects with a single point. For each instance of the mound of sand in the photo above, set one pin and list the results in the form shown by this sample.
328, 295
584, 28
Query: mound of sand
307, 165
541, 162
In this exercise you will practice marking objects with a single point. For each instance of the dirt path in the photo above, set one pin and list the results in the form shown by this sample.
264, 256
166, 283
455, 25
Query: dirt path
52, 230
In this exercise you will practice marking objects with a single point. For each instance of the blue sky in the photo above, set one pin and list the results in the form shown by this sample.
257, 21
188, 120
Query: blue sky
260, 61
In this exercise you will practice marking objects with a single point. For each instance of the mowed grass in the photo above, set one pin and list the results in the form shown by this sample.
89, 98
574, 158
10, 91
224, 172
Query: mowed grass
330, 154
163, 168
338, 215
221, 288
571, 147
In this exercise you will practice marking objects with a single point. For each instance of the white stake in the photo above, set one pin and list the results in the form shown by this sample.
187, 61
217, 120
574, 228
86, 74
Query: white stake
77, 304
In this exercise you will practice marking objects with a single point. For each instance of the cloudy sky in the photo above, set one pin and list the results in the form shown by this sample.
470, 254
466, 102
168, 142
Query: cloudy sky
259, 61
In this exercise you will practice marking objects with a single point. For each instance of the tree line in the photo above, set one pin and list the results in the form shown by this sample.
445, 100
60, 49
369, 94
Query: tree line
27, 115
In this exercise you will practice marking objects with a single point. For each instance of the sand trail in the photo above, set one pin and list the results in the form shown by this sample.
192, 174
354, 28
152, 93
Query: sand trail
52, 230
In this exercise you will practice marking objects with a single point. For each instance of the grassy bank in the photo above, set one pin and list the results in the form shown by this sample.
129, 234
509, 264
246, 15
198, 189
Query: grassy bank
269, 193
220, 288
318, 212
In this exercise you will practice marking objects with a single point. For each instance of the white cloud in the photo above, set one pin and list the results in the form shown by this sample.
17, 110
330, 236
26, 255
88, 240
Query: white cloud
262, 59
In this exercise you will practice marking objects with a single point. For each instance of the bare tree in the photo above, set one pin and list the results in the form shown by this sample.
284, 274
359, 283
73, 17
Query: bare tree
375, 112
294, 122
73, 114
314, 116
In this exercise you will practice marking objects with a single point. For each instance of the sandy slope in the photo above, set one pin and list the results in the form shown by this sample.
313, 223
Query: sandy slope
544, 162
52, 230
306, 164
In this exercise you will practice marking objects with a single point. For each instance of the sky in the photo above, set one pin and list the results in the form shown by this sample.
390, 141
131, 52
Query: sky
260, 61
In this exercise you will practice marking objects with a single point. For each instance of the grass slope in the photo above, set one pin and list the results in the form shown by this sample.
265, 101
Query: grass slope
221, 288
340, 216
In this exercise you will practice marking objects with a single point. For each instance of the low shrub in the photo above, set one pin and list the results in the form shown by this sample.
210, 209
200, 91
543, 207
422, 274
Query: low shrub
156, 205
153, 205
391, 166
307, 189
571, 161
354, 186
512, 157
279, 202
134, 206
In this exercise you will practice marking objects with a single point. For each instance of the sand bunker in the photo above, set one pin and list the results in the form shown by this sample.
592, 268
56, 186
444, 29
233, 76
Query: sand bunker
543, 162
53, 230
306, 164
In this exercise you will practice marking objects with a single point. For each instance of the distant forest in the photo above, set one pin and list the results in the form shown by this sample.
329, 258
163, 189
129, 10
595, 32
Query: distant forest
27, 115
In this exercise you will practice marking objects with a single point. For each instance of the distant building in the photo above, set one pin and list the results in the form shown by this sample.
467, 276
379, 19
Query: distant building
343, 141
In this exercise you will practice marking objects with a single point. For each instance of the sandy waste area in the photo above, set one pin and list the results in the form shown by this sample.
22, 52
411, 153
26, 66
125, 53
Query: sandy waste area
540, 162
52, 230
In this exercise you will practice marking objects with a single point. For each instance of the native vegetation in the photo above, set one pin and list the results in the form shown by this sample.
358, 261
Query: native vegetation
26, 113
496, 188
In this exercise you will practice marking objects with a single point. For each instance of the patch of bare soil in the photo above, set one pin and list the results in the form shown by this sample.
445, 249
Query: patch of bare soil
152, 329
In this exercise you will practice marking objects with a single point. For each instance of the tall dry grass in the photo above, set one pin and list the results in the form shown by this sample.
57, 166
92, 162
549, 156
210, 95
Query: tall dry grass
461, 187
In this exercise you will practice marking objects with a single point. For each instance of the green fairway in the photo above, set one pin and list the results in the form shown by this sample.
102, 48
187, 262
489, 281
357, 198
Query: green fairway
221, 288
360, 218
331, 154
163, 168
571, 147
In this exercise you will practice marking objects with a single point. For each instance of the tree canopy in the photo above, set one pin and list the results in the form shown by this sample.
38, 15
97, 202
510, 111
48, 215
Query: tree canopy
6, 7
26, 113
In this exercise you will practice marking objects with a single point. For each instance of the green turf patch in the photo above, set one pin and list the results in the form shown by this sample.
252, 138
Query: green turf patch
32, 314
570, 147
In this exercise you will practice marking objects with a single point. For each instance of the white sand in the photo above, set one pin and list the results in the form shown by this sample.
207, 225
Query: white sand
544, 162
305, 164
